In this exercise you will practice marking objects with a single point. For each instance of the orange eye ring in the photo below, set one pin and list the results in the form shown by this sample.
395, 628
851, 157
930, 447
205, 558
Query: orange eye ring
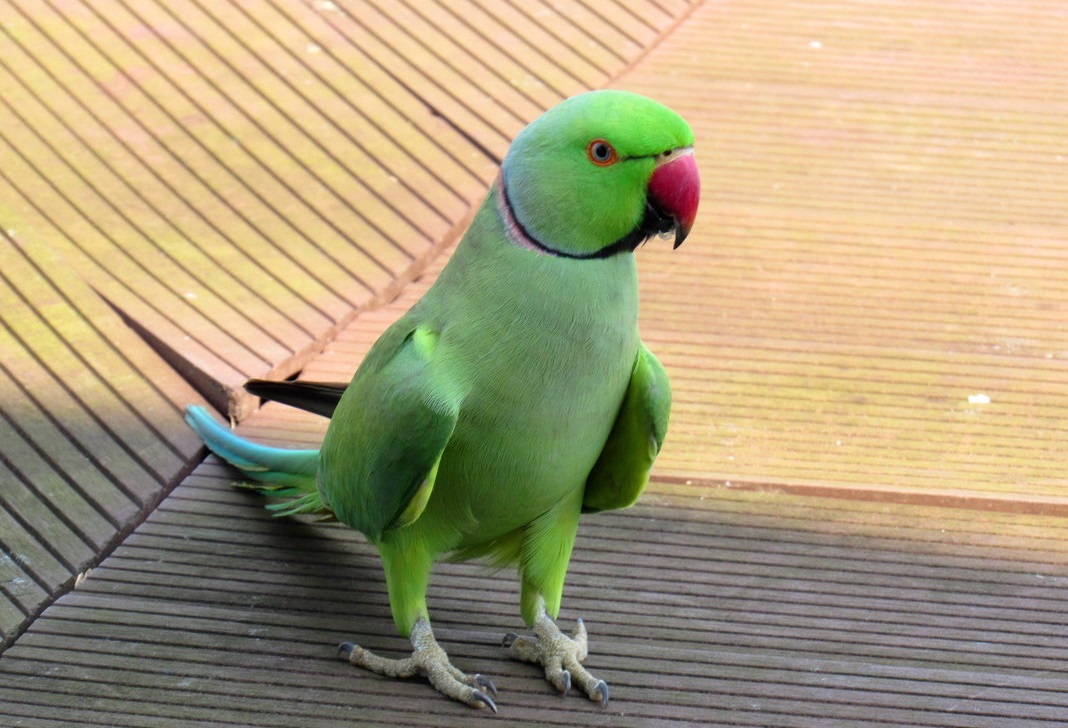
601, 153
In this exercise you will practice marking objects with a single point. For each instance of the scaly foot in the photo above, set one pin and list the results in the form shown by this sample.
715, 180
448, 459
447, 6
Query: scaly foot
428, 659
560, 655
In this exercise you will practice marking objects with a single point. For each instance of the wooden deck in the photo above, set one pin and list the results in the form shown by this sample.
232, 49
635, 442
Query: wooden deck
858, 519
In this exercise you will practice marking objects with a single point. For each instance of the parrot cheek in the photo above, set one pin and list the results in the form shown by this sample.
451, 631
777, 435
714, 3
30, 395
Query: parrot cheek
675, 191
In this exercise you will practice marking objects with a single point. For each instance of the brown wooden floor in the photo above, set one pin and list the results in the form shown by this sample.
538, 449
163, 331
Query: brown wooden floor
744, 609
858, 518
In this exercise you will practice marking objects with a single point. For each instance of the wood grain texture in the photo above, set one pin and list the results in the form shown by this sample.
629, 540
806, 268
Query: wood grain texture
239, 178
874, 298
880, 243
90, 429
747, 609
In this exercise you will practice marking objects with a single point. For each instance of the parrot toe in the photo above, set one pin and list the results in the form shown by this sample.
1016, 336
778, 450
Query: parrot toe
560, 655
430, 660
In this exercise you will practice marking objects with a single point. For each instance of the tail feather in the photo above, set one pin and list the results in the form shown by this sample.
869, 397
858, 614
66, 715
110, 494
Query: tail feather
278, 472
318, 397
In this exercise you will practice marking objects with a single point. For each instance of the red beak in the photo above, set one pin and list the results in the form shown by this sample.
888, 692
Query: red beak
675, 190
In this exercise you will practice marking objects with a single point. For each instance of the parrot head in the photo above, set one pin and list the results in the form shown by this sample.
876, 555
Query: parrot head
598, 174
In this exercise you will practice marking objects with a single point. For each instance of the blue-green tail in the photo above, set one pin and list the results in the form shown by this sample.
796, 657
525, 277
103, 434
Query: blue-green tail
279, 473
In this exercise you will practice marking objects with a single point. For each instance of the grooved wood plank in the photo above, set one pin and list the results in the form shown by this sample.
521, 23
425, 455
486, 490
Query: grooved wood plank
90, 432
875, 294
761, 609
240, 178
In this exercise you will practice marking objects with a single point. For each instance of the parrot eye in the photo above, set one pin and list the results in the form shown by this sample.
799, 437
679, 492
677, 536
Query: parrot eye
601, 153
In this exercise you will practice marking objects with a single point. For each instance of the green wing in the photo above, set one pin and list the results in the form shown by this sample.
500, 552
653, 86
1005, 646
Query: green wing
621, 472
381, 452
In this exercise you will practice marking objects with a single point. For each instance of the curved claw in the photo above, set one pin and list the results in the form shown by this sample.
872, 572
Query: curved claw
486, 700
509, 638
345, 649
485, 682
602, 688
565, 678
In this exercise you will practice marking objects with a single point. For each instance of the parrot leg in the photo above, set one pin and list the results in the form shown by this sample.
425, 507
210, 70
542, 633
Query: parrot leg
560, 655
429, 659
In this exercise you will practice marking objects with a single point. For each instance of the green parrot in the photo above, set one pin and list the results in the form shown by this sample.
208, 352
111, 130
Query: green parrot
514, 396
